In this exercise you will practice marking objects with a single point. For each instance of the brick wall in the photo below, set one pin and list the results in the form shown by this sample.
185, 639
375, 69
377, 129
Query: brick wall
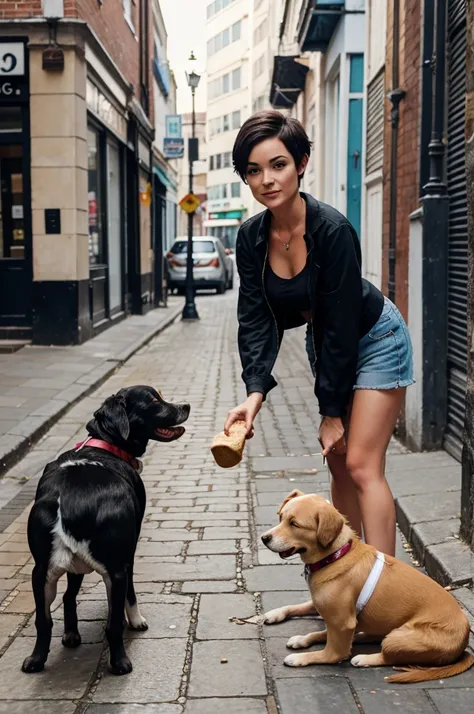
408, 143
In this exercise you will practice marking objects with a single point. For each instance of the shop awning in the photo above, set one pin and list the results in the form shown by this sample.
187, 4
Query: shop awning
164, 178
221, 222
320, 19
288, 81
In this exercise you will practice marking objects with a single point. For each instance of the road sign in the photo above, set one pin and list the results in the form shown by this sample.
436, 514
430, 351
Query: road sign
173, 126
173, 148
189, 203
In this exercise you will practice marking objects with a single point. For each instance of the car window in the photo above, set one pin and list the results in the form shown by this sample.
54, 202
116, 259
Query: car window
199, 246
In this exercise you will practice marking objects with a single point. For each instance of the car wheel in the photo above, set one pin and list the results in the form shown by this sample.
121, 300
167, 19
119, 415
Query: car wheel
230, 284
222, 288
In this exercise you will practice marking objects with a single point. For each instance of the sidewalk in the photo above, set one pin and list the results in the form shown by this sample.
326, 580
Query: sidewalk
200, 561
37, 384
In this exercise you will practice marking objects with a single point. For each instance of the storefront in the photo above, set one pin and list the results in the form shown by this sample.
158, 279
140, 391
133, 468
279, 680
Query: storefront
15, 196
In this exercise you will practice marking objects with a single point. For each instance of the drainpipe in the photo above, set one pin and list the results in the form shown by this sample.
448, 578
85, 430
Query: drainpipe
395, 96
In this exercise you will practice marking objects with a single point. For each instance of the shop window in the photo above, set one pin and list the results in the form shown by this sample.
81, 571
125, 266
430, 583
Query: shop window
12, 227
235, 189
96, 238
10, 119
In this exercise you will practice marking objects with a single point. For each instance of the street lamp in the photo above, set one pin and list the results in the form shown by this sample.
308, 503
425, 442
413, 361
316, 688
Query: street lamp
189, 310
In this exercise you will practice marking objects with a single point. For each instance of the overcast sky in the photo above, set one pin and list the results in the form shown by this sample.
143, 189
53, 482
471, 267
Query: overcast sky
186, 26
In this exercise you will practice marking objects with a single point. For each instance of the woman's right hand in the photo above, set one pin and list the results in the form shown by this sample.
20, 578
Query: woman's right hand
247, 411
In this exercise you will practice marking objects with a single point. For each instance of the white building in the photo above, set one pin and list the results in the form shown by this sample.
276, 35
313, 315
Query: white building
165, 178
319, 77
228, 105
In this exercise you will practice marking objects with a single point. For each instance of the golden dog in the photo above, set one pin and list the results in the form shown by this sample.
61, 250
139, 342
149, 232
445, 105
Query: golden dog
418, 622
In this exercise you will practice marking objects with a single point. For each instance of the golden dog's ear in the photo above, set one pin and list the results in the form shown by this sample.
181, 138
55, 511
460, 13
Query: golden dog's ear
329, 524
291, 495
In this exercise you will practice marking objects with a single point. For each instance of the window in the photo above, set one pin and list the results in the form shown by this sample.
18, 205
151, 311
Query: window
236, 120
10, 119
128, 13
218, 158
235, 189
225, 122
225, 38
214, 7
260, 32
236, 78
226, 160
199, 246
96, 237
236, 27
211, 163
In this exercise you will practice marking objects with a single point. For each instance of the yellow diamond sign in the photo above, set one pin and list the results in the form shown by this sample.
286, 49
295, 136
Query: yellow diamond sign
189, 203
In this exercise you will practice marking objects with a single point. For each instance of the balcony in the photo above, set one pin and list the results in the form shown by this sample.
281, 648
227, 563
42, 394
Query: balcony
319, 19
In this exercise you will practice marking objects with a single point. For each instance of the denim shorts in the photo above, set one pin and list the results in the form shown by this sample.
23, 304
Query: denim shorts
385, 353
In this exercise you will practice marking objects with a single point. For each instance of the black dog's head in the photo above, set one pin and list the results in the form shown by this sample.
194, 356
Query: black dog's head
133, 416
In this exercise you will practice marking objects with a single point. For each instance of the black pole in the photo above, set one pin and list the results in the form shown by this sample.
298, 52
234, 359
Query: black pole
189, 310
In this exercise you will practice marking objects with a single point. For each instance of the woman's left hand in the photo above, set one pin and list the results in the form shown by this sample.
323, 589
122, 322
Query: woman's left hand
331, 436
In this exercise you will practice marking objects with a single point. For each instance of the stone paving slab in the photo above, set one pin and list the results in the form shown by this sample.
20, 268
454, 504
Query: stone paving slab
34, 707
241, 675
214, 617
448, 700
133, 709
316, 696
392, 702
226, 706
156, 676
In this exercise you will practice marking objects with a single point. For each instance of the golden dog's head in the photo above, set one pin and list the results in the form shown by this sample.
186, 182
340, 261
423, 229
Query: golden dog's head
308, 526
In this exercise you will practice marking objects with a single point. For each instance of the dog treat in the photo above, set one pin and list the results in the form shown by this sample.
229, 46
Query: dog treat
227, 450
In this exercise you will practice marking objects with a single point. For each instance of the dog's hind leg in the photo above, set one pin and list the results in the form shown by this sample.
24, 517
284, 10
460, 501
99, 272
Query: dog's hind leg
283, 613
71, 637
116, 584
135, 619
44, 590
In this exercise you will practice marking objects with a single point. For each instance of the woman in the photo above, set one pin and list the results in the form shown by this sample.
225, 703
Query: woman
299, 262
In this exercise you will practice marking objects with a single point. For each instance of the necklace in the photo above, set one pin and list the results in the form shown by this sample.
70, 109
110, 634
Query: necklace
287, 245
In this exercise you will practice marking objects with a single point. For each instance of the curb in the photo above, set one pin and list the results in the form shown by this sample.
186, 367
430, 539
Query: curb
449, 561
17, 445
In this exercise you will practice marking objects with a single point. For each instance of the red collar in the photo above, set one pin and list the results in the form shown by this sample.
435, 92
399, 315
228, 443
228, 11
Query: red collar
313, 567
105, 446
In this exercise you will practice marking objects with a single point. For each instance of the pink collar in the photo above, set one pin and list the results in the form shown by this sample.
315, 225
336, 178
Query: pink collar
313, 567
105, 446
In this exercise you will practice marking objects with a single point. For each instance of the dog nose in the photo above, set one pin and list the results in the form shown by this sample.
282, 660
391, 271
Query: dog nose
266, 538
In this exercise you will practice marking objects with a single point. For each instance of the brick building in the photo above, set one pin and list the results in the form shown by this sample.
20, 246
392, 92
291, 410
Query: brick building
76, 131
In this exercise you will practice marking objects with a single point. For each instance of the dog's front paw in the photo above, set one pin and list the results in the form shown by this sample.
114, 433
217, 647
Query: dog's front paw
273, 616
359, 661
296, 660
121, 666
71, 640
33, 664
297, 642
138, 623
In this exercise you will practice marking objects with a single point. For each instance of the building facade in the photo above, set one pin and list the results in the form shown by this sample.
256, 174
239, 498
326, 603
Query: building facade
228, 105
76, 162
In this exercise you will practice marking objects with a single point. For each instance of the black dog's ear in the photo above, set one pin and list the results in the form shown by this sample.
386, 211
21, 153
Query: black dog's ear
112, 417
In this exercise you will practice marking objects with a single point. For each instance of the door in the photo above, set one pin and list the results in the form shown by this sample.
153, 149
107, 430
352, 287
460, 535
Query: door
457, 229
15, 264
114, 223
354, 141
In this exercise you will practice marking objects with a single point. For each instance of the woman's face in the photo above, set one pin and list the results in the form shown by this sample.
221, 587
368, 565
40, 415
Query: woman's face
272, 174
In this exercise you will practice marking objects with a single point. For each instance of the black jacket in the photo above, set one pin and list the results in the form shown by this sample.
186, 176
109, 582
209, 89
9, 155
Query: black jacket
344, 307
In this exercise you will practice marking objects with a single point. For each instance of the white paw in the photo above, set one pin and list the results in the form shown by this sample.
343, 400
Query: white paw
273, 616
138, 623
297, 642
358, 661
294, 660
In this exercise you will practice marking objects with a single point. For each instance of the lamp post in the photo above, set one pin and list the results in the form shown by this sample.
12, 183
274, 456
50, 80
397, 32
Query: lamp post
189, 310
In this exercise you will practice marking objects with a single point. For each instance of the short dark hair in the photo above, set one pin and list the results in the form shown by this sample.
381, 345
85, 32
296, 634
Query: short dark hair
266, 125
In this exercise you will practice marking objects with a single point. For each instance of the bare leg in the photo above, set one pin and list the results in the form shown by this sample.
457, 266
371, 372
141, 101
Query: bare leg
373, 419
283, 613
344, 493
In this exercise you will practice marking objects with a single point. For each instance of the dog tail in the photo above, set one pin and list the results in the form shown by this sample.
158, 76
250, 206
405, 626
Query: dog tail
425, 674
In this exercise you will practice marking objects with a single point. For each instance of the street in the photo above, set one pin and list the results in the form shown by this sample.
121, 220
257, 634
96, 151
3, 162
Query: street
200, 562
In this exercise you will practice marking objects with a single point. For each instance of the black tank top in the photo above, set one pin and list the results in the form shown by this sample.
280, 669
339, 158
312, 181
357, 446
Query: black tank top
288, 297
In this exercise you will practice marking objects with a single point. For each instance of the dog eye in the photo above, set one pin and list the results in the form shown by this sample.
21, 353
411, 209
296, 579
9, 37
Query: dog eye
293, 524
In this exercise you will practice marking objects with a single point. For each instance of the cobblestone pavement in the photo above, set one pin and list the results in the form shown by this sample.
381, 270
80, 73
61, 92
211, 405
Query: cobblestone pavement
199, 561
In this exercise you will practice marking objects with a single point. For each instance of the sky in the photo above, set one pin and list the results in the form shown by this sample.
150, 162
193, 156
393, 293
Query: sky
185, 22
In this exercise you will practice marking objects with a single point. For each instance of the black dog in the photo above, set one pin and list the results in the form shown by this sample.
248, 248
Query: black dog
87, 516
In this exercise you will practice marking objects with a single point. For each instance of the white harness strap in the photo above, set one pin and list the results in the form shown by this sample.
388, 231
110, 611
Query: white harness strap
371, 582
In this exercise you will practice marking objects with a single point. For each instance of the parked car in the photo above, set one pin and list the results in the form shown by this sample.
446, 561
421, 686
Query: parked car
213, 266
